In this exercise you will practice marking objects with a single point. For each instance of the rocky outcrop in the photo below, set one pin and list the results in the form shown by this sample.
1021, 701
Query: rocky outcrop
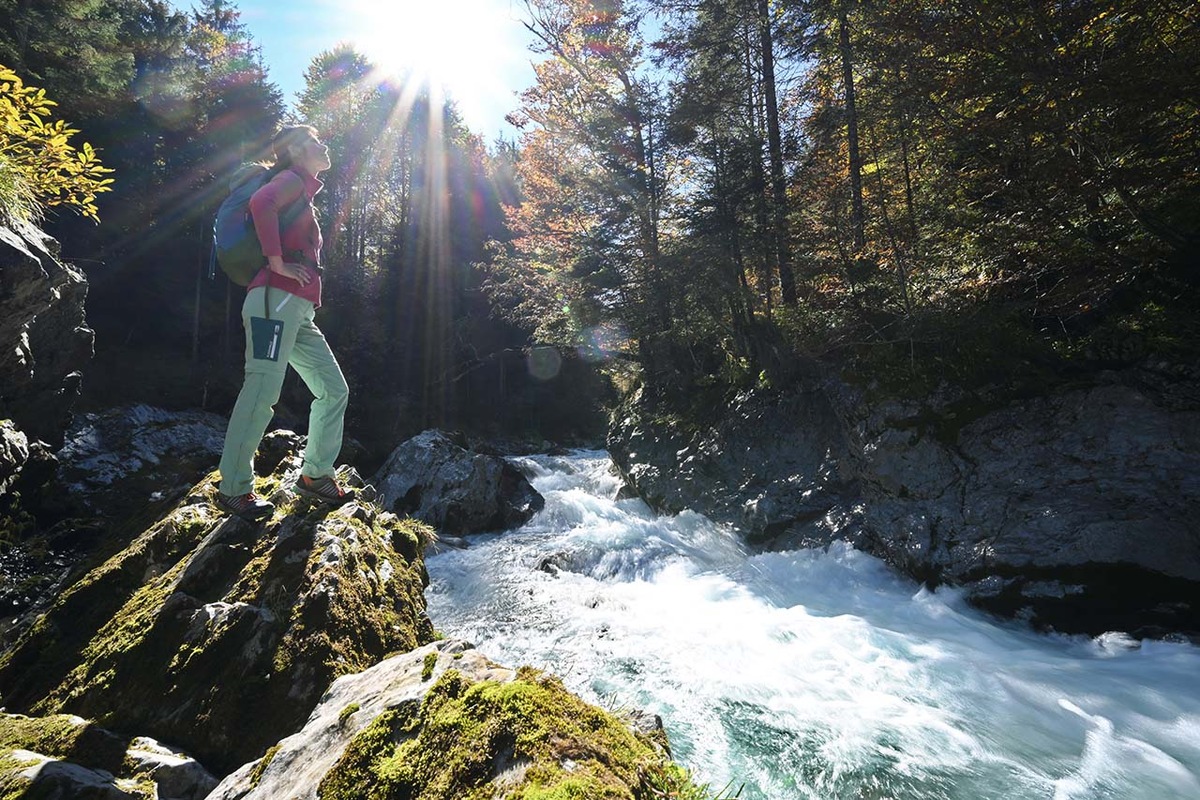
436, 479
223, 637
14, 452
44, 339
66, 756
220, 636
1077, 510
44, 345
130, 461
766, 466
445, 723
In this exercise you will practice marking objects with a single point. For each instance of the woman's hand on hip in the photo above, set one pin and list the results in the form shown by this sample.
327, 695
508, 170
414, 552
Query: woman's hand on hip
297, 272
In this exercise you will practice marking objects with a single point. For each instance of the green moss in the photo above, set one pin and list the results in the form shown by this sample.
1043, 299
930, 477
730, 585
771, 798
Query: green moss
387, 616
51, 736
347, 712
97, 664
12, 785
140, 786
133, 626
408, 537
64, 737
465, 736
353, 776
261, 767
427, 668
51, 648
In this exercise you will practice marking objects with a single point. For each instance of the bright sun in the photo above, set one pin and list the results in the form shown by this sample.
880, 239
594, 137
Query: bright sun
469, 48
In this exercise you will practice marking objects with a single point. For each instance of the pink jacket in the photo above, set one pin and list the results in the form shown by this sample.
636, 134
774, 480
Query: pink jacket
300, 242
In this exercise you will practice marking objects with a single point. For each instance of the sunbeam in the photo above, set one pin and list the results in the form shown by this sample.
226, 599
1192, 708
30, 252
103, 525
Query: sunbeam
463, 49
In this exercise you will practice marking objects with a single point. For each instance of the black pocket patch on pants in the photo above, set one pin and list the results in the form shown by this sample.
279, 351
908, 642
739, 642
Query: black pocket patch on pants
266, 336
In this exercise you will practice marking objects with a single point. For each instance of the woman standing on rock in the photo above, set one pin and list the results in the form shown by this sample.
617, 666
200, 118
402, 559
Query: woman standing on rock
278, 316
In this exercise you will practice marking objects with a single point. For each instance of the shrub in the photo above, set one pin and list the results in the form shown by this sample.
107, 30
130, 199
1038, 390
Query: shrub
39, 167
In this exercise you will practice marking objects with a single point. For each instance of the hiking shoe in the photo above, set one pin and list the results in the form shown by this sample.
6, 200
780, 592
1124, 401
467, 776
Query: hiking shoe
325, 489
247, 506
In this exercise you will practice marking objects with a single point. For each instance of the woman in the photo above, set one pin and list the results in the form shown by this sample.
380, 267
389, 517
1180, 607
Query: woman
278, 316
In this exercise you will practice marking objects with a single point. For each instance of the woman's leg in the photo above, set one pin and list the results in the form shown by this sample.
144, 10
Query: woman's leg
251, 414
269, 343
314, 361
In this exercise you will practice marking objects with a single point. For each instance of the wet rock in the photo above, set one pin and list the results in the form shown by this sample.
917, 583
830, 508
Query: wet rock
769, 465
437, 480
1076, 510
117, 461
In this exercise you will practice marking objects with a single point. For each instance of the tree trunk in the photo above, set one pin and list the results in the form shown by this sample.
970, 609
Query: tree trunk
787, 279
856, 190
199, 295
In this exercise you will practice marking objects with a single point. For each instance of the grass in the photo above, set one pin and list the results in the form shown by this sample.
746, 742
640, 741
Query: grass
18, 203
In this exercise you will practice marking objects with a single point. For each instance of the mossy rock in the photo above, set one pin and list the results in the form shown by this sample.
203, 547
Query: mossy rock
476, 730
233, 629
527, 739
67, 756
63, 736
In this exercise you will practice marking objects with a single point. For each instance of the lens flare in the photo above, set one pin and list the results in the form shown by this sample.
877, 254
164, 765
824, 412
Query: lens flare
544, 363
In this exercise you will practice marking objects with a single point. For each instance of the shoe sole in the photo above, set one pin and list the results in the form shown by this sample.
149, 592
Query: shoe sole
256, 517
333, 501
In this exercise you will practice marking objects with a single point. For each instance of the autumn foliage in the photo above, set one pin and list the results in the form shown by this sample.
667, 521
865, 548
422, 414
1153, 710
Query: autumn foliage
39, 167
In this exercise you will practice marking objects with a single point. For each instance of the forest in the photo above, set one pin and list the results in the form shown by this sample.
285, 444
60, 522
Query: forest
706, 196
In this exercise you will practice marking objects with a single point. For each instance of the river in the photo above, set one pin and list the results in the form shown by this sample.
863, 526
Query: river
814, 674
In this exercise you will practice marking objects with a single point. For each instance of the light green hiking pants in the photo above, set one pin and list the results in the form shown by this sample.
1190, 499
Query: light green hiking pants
287, 337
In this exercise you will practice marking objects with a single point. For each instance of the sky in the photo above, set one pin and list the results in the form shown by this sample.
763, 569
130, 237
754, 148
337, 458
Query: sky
477, 49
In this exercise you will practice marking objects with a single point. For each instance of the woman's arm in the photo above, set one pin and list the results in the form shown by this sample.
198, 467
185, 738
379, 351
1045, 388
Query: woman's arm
282, 190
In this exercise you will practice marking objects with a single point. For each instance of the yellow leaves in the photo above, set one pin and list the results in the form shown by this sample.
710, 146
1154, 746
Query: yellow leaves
40, 152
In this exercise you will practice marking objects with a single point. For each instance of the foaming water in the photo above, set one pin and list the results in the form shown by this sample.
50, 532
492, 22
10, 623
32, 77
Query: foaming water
813, 674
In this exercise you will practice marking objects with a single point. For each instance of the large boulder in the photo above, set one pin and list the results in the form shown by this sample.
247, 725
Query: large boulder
1077, 510
438, 480
44, 339
219, 635
445, 723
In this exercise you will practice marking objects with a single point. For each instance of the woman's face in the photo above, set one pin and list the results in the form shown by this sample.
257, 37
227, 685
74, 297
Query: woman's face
312, 155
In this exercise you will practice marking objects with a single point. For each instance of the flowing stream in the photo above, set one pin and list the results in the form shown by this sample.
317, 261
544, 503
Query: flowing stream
814, 674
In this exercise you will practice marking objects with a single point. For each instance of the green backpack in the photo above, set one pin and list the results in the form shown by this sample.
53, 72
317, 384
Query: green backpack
235, 242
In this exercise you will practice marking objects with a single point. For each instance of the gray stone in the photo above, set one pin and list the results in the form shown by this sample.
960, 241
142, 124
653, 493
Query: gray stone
457, 491
176, 775
44, 339
48, 778
765, 467
94, 762
301, 761
1079, 510
14, 452
118, 461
